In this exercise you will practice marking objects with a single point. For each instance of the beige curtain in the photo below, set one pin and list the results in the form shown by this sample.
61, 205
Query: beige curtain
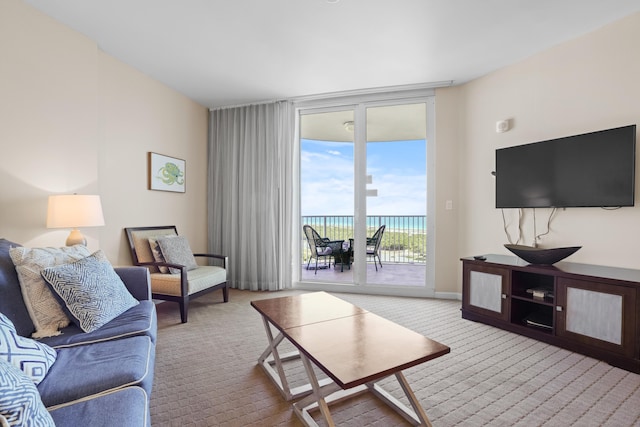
250, 191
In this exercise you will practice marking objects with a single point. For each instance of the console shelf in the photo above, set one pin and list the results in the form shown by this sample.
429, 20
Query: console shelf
592, 310
545, 301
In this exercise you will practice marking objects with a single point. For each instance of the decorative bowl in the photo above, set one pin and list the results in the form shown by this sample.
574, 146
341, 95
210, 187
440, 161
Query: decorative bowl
541, 256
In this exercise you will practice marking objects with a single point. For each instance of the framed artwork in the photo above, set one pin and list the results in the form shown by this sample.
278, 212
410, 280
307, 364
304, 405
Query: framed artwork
167, 173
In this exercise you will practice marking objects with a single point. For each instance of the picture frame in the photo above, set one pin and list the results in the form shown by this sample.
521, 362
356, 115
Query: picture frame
167, 173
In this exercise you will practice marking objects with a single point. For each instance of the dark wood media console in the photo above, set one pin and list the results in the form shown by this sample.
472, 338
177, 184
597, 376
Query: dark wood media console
592, 310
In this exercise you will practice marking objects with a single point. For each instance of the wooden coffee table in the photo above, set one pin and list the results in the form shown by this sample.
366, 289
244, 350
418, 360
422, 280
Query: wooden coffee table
353, 347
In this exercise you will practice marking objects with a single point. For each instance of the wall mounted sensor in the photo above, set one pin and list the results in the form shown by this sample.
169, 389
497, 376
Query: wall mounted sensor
502, 126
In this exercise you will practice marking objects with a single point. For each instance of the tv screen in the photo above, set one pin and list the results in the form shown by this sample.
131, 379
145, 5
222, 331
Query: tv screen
594, 169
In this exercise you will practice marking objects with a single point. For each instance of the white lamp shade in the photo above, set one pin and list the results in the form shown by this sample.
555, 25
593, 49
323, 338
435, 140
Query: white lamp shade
72, 211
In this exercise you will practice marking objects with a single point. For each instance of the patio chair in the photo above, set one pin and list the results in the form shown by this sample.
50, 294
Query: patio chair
320, 247
373, 245
175, 276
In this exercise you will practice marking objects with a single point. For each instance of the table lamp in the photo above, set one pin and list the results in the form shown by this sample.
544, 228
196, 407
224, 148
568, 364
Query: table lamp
73, 211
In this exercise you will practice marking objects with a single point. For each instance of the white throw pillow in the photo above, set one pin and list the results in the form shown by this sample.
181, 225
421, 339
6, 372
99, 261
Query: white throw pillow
45, 310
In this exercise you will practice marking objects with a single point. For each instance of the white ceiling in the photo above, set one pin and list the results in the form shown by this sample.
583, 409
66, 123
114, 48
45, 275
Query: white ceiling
223, 53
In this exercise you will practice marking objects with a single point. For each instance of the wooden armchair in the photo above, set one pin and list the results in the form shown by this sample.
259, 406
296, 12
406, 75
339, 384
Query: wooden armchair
175, 276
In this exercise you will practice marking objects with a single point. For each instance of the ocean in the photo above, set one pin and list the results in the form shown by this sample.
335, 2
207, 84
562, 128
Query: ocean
401, 223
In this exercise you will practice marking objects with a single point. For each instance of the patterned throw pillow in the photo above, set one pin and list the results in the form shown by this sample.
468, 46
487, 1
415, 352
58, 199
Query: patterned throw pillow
157, 253
45, 311
176, 250
92, 291
20, 403
32, 357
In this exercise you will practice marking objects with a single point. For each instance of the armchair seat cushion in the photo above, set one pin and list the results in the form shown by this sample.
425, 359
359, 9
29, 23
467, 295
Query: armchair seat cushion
199, 279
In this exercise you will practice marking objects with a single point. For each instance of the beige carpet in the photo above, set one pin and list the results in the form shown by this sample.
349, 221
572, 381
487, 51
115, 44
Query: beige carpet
206, 372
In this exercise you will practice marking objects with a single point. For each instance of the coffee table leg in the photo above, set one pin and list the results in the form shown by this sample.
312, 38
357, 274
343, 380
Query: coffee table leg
422, 416
278, 377
324, 395
417, 416
302, 407
271, 357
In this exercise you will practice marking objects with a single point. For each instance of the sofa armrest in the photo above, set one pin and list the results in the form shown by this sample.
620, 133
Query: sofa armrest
137, 281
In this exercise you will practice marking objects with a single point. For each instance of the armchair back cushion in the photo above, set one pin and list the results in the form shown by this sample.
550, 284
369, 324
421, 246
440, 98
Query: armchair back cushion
140, 246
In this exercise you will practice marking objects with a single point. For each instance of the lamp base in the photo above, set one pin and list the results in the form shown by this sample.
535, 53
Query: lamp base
76, 238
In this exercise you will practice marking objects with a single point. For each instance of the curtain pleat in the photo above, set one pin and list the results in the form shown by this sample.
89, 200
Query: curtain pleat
250, 158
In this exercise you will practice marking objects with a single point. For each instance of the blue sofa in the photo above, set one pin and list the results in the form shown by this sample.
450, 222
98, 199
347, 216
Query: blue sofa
99, 378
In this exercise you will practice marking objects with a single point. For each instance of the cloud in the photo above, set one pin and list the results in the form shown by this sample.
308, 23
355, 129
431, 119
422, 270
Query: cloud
327, 179
327, 184
327, 189
398, 195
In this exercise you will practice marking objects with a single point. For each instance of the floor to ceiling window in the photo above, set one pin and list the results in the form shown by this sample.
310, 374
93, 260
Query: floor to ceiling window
364, 169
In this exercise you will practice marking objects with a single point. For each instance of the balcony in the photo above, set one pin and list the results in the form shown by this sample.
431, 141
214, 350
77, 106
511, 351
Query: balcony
402, 250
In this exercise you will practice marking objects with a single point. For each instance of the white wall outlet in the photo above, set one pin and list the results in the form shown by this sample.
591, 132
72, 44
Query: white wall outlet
448, 205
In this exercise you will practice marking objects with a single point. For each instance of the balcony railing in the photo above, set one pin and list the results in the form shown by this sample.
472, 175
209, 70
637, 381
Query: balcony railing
404, 240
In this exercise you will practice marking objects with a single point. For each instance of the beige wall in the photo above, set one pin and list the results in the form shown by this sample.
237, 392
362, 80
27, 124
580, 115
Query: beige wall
448, 119
74, 119
587, 84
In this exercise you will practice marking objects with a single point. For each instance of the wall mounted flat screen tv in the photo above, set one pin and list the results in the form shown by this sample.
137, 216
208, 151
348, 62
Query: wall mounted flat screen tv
594, 169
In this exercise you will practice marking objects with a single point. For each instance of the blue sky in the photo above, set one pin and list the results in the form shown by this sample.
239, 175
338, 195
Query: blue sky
398, 169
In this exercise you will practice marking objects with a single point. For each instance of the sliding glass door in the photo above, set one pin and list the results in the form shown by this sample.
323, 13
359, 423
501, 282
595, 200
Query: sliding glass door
363, 189
396, 195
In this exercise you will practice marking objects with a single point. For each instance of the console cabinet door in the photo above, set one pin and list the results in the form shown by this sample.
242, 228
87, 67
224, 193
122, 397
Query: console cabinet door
597, 314
485, 290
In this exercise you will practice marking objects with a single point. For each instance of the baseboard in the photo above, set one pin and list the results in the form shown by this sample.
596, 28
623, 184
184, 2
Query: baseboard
449, 295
